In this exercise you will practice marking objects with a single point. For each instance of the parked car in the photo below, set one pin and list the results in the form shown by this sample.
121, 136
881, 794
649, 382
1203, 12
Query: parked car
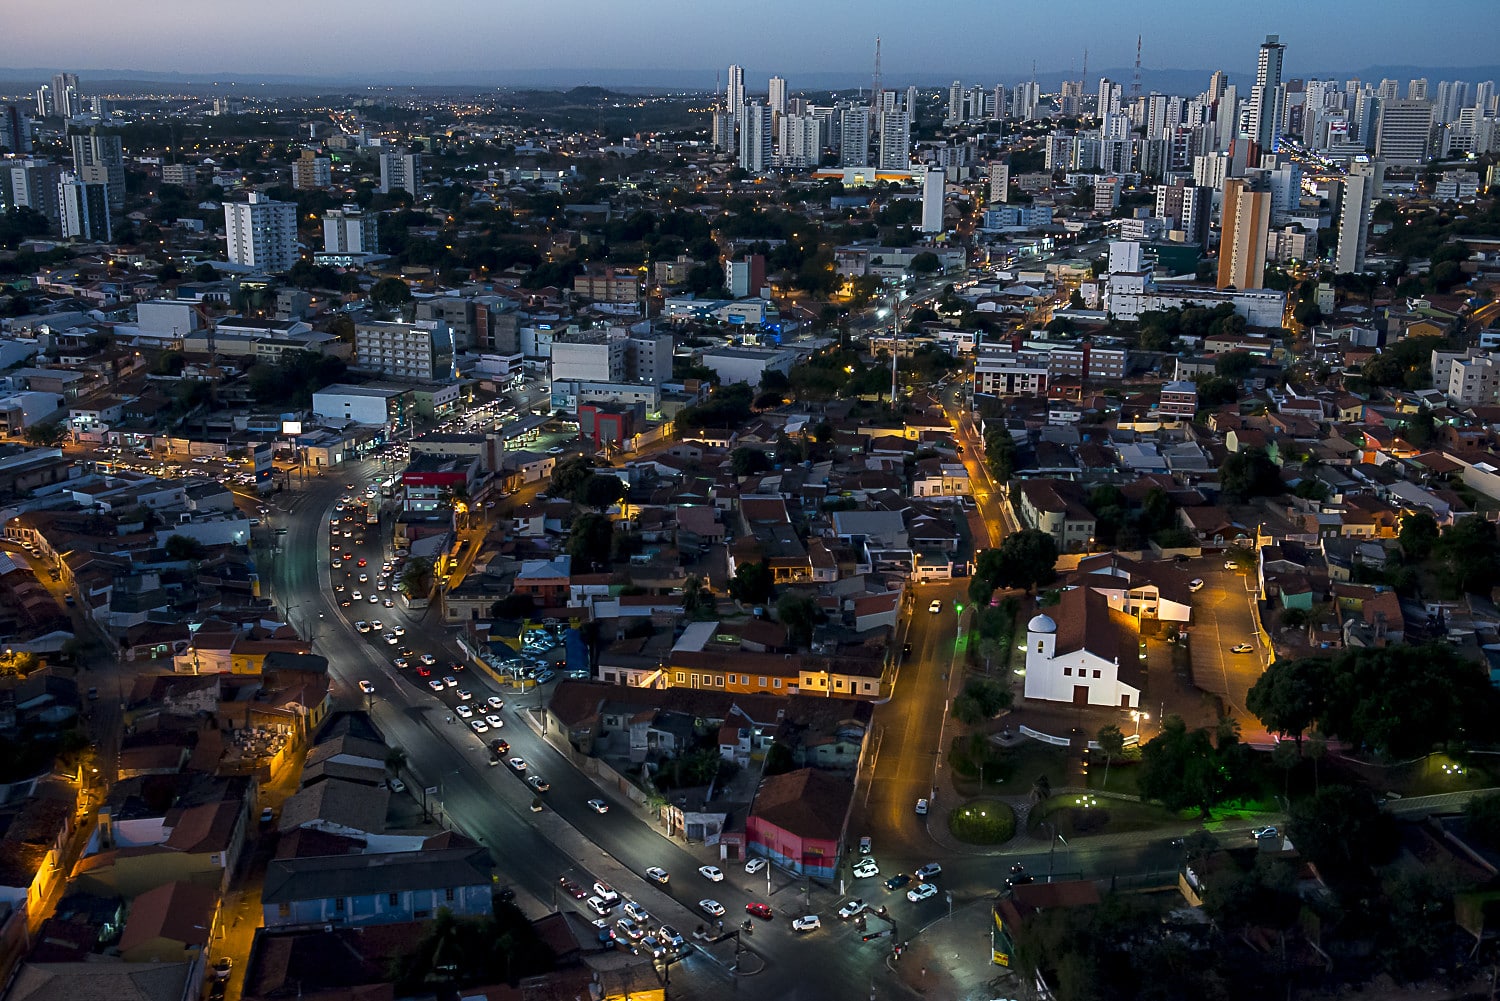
922, 807
1196, 584
755, 865
897, 881
712, 873
865, 868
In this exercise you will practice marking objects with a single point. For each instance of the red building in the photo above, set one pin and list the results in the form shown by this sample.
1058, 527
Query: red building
605, 425
798, 821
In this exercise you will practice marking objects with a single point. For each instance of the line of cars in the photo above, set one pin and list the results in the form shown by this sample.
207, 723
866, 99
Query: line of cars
634, 930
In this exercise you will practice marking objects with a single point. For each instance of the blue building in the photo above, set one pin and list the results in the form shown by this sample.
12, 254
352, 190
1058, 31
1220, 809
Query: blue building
377, 888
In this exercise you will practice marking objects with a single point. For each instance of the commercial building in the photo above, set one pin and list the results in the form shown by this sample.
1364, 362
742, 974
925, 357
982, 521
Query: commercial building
1242, 241
745, 277
1002, 372
748, 364
373, 405
589, 356
932, 201
648, 358
617, 285
261, 233
411, 351
1403, 134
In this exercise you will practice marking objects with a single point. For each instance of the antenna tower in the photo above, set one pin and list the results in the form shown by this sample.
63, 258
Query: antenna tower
875, 97
1135, 81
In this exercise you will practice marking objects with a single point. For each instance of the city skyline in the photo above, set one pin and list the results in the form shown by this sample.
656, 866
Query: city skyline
340, 39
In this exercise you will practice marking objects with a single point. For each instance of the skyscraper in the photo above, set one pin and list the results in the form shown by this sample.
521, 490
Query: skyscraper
801, 141
777, 99
734, 91
955, 103
854, 137
99, 157
1268, 95
84, 209
895, 141
1245, 221
1353, 234
932, 201
723, 131
67, 99
755, 138
400, 170
1416, 90
15, 129
261, 233
1404, 133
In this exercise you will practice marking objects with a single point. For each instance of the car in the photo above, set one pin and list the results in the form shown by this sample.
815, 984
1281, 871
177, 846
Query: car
670, 937
388, 603
864, 845
712, 908
428, 659
357, 596
390, 638
571, 888
374, 598
545, 677
457, 665
363, 562
364, 578
921, 892
897, 881
367, 687
1230, 565
361, 626
922, 807
935, 607
712, 873
479, 726
407, 651
1017, 868
495, 702
399, 630
517, 764
925, 874
606, 891
337, 564
538, 783
632, 930
1196, 584
853, 907
450, 681
464, 711
464, 695
658, 875
637, 912
347, 556
1264, 832
435, 685
1241, 648
267, 815
865, 868
598, 806
807, 922
222, 966
905, 651
494, 721
755, 865
424, 672
758, 910
653, 945
500, 746
1020, 880
599, 906
401, 663
396, 785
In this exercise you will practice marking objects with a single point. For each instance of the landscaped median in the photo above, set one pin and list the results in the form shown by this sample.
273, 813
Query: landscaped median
982, 822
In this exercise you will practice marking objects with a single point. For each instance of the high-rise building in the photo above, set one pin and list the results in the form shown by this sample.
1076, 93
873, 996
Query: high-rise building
31, 183
854, 137
1404, 132
801, 141
777, 98
99, 157
1216, 85
1070, 101
351, 230
723, 130
400, 170
755, 138
67, 99
734, 91
1268, 95
84, 209
261, 233
1028, 97
910, 103
1366, 114
1227, 118
43, 101
1244, 225
1352, 235
1416, 90
999, 176
932, 201
955, 103
997, 102
311, 172
15, 129
1484, 96
895, 141
1389, 90
1450, 99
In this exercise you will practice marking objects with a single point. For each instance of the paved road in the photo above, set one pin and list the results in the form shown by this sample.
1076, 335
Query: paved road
1222, 619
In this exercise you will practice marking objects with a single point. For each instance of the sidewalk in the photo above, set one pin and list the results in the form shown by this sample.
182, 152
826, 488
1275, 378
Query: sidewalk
950, 958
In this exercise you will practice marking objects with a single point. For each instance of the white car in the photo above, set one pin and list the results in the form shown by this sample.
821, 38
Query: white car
637, 912
928, 871
494, 721
1230, 565
755, 865
921, 892
391, 638
599, 905
517, 764
464, 695
658, 875
401, 663
357, 597
853, 907
1241, 648
399, 630
495, 702
922, 807
712, 873
367, 687
479, 726
935, 607
807, 922
1196, 584
435, 685
361, 626
396, 785
428, 659
866, 868
464, 711
448, 679
599, 806
712, 908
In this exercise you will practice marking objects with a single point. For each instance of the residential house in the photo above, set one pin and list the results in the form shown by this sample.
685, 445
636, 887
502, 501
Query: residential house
377, 888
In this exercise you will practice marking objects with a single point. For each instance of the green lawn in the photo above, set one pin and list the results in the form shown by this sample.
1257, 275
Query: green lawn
1080, 815
983, 822
1007, 771
1429, 776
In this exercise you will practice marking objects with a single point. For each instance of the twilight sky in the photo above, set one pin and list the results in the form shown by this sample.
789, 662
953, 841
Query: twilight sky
385, 40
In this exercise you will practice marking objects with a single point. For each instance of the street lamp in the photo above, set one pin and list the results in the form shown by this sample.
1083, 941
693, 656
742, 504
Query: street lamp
1137, 715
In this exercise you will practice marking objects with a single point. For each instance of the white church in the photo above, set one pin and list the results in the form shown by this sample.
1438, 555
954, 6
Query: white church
1079, 654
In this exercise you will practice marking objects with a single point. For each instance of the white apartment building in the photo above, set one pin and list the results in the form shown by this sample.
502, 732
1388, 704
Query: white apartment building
1404, 132
350, 230
755, 138
801, 141
420, 351
1001, 372
895, 141
1467, 379
589, 356
261, 233
400, 169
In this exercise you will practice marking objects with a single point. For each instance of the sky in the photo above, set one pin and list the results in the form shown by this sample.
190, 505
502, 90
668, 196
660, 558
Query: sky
972, 38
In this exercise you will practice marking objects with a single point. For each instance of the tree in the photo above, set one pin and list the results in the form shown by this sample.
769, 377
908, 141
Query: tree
569, 477
746, 461
1288, 697
1469, 555
600, 492
589, 542
1482, 817
697, 599
1418, 536
48, 435
184, 547
1234, 365
1307, 313
1024, 559
1402, 701
1343, 831
798, 613
416, 578
390, 292
1249, 473
751, 584
1112, 743
1182, 768
395, 761
925, 263
1075, 301
18, 662
779, 759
